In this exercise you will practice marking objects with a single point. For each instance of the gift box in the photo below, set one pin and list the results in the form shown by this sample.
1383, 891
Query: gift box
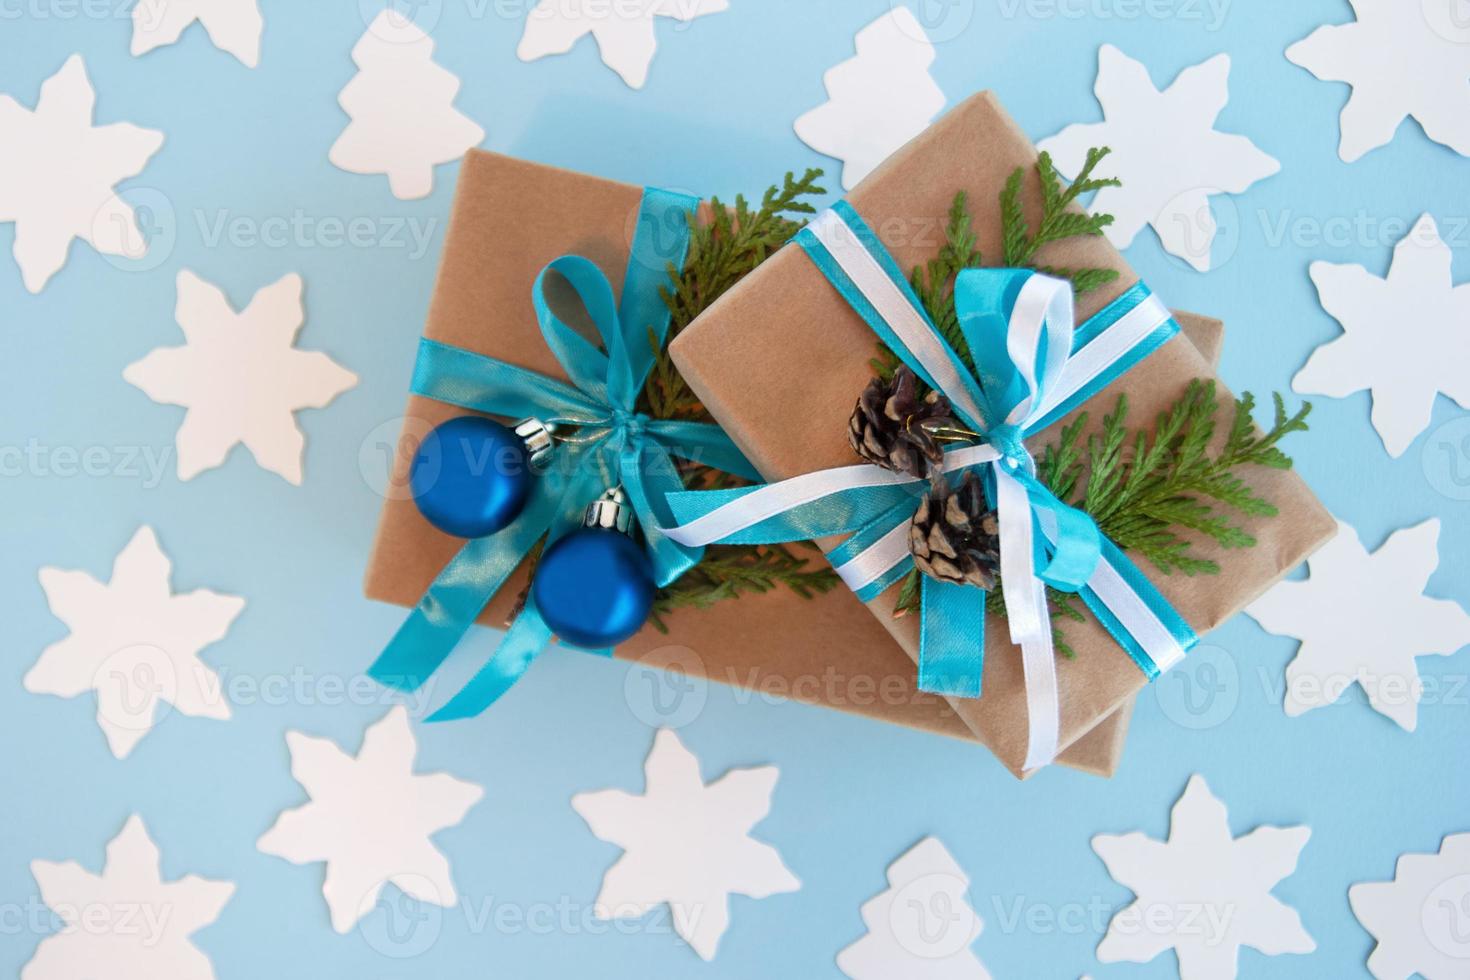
780, 359
510, 218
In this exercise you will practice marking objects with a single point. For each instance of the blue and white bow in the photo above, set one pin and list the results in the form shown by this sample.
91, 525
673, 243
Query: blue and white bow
1032, 368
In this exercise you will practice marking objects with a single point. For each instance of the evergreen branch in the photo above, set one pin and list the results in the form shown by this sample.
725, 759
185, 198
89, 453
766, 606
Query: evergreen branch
730, 571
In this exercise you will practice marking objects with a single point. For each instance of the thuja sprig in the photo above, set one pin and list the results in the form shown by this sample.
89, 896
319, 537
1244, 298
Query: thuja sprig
1144, 490
933, 282
722, 251
730, 571
1060, 220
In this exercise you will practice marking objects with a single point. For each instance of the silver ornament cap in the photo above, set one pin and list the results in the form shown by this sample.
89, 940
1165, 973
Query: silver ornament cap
535, 435
610, 512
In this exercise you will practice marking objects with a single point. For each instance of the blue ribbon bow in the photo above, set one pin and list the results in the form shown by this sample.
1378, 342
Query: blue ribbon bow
613, 444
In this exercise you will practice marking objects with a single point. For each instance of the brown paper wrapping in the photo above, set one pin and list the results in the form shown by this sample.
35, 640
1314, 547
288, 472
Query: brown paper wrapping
780, 358
509, 219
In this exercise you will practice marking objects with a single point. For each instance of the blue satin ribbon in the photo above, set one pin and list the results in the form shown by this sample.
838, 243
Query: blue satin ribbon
613, 444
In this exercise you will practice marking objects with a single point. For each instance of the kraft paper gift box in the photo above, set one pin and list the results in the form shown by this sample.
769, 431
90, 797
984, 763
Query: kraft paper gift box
780, 359
509, 219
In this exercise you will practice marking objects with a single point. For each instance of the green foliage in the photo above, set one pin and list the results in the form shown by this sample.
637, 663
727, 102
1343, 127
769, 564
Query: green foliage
1151, 493
729, 571
721, 253
1060, 220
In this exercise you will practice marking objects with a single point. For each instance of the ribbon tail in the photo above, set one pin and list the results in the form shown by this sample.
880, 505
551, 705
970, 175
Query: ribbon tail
951, 639
527, 637
1043, 701
450, 607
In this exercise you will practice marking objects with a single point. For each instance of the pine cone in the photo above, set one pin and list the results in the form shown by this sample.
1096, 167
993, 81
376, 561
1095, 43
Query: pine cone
893, 427
954, 536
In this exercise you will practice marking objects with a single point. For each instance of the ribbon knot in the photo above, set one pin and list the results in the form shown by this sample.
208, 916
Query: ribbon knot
614, 444
1009, 441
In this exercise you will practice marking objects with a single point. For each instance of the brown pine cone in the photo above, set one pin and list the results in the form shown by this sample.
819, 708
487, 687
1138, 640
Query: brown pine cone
893, 427
954, 536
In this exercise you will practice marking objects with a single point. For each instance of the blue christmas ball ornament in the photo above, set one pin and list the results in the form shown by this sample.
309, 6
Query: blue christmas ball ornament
594, 586
472, 476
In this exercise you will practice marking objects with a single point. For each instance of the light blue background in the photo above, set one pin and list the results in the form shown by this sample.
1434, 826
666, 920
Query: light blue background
715, 117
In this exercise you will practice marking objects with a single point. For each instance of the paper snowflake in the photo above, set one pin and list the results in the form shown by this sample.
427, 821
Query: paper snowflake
240, 376
1364, 617
233, 25
1166, 151
1421, 919
1406, 338
58, 171
623, 31
1203, 892
922, 926
126, 923
686, 843
876, 101
134, 642
401, 103
370, 819
1402, 59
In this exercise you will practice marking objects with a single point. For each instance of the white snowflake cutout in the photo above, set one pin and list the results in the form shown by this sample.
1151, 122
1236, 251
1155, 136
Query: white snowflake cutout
134, 642
370, 819
1405, 337
1166, 151
1402, 59
1203, 892
1364, 617
234, 26
1421, 919
686, 843
876, 101
623, 31
922, 926
240, 376
58, 171
126, 923
402, 109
